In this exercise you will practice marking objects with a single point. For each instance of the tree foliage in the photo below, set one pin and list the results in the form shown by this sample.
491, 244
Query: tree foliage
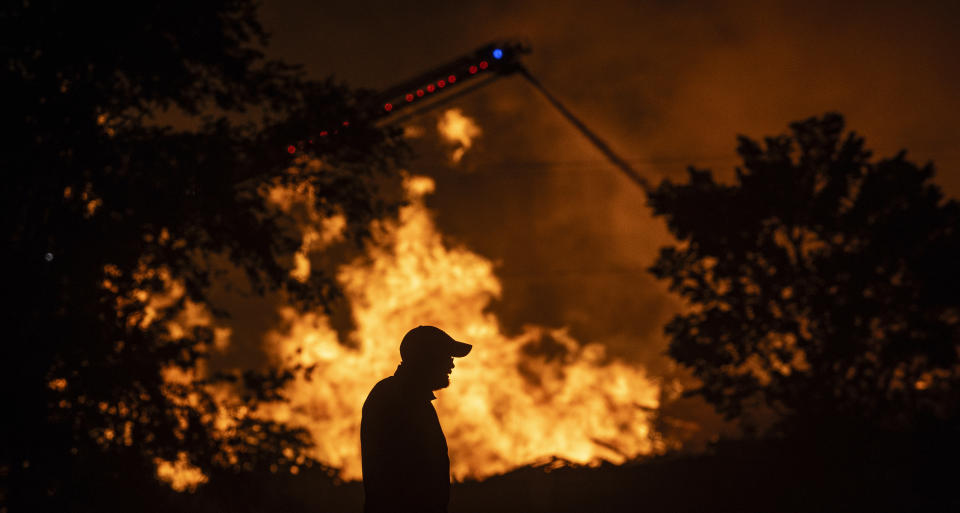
819, 284
104, 207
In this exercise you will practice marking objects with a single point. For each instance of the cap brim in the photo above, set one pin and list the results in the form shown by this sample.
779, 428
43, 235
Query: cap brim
459, 349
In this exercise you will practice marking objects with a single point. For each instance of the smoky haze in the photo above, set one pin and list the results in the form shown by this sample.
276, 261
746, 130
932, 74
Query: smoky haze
667, 84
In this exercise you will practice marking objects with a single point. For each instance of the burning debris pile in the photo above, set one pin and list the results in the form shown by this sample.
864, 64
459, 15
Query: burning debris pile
513, 401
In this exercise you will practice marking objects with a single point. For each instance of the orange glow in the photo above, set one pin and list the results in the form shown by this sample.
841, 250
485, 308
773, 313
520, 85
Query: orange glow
510, 402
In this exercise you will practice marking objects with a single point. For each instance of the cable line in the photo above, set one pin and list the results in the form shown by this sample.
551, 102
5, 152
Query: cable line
592, 137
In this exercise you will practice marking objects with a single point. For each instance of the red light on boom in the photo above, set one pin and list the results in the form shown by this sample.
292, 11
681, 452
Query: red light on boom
409, 97
452, 79
441, 83
419, 92
388, 107
430, 88
473, 69
291, 149
483, 64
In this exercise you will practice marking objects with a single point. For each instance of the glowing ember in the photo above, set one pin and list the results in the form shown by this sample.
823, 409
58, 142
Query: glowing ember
513, 401
459, 130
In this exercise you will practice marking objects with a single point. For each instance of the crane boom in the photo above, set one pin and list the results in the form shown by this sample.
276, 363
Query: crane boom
499, 58
493, 60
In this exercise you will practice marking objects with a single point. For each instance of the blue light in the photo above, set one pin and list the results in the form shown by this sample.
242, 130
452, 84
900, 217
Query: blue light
498, 54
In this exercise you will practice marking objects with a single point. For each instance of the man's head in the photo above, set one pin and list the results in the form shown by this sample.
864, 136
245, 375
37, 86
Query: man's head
429, 353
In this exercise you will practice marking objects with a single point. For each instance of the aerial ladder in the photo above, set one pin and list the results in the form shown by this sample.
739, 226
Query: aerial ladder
463, 75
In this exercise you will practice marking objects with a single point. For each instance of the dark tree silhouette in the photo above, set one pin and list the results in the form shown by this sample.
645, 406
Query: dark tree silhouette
820, 284
98, 192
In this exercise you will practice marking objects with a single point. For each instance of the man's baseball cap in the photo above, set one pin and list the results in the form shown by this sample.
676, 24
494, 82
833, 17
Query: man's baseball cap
428, 341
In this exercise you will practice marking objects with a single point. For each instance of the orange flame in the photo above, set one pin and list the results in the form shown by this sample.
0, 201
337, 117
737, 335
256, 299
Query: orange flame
458, 130
513, 400
180, 474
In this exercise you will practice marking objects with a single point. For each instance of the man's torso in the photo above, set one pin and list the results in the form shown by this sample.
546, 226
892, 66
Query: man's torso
404, 452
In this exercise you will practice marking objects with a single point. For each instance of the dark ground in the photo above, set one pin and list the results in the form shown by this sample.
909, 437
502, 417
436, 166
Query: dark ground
875, 473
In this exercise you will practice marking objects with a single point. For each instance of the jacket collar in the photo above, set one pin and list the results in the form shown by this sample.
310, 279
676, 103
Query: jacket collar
408, 385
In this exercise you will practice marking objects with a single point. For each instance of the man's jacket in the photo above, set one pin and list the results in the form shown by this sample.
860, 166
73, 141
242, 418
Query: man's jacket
404, 452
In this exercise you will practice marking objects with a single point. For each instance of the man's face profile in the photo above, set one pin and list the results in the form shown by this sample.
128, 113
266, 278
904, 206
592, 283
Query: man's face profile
437, 372
432, 372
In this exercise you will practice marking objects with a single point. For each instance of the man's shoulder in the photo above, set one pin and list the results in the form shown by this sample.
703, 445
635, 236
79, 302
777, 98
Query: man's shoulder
387, 391
387, 385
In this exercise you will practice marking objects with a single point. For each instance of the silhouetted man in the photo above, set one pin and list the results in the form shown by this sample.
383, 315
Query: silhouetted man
404, 452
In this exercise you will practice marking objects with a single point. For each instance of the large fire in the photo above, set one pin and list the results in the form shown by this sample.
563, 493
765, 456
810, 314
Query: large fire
512, 401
